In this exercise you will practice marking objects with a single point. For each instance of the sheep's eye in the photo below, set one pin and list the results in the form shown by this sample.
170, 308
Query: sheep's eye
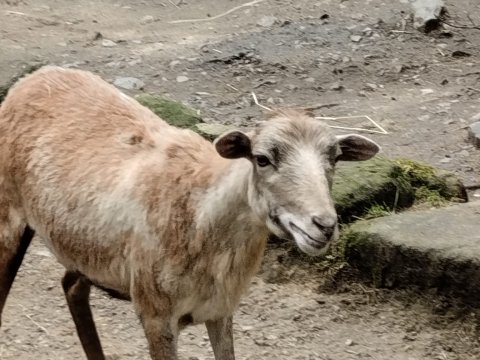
262, 160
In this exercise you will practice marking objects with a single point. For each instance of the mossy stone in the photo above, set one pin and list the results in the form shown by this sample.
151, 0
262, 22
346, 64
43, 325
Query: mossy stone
173, 112
211, 131
360, 185
393, 185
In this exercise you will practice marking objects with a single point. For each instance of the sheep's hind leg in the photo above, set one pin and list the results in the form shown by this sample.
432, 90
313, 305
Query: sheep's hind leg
14, 242
220, 333
77, 292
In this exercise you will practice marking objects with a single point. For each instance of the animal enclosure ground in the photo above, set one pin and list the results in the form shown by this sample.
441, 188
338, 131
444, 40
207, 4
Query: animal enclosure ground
344, 58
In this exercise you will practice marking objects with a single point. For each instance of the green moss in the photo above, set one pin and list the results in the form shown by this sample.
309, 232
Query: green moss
415, 170
173, 112
429, 197
432, 186
376, 211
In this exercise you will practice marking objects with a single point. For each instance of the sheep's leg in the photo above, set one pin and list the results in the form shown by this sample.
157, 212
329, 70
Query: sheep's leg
220, 333
77, 293
13, 246
162, 341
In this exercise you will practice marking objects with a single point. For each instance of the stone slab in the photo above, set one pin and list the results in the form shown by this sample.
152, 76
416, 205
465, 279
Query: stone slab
437, 248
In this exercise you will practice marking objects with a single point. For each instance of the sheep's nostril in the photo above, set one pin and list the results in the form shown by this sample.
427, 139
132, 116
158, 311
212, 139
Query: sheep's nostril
326, 225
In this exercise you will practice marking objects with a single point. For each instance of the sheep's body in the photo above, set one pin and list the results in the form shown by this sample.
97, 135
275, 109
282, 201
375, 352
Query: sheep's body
150, 212
125, 199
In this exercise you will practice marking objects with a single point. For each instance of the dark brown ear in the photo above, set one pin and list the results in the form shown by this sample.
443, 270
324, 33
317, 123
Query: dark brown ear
356, 148
233, 145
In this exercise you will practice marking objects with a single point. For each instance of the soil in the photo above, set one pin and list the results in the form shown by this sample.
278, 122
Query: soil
343, 58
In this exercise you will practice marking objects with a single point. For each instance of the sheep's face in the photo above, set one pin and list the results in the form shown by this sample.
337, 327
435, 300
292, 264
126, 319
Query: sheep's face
293, 158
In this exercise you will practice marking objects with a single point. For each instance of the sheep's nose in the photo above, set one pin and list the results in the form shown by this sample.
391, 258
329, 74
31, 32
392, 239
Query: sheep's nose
326, 225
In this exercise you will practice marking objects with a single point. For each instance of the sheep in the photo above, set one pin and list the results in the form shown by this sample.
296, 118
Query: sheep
155, 214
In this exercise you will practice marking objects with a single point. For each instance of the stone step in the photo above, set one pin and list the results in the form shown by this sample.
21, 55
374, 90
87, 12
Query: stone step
438, 248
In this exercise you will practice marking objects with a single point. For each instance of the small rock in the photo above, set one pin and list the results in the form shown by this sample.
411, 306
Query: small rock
476, 194
427, 91
182, 78
310, 79
428, 14
43, 252
147, 19
174, 63
267, 21
355, 38
98, 36
349, 342
247, 328
445, 160
474, 134
336, 86
108, 43
460, 54
129, 83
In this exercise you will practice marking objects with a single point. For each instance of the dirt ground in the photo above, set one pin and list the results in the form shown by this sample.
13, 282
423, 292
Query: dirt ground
346, 57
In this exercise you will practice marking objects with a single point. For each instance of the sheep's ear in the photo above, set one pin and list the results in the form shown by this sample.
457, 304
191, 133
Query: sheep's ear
233, 145
356, 148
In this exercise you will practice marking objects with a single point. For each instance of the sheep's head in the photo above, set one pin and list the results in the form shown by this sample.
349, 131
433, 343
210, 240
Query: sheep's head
294, 157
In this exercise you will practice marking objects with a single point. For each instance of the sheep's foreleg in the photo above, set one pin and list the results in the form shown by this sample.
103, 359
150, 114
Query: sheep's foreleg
162, 340
13, 246
220, 333
153, 309
77, 292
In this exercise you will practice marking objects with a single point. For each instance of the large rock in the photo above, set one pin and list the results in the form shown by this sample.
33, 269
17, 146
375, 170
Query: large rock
437, 248
392, 185
173, 112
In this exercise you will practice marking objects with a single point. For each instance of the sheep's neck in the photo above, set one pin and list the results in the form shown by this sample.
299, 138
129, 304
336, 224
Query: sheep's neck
225, 207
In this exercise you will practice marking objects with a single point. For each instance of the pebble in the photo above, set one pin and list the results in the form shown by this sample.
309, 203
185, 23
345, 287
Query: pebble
108, 43
174, 63
355, 38
349, 342
427, 91
336, 86
267, 21
129, 83
147, 19
182, 78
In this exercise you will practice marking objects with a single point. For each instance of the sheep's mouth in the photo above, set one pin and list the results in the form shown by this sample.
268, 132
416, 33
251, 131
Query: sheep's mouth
315, 243
291, 232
